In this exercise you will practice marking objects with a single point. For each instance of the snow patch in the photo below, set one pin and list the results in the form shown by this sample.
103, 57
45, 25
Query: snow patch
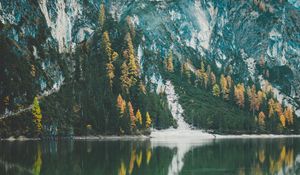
251, 67
139, 56
35, 53
174, 106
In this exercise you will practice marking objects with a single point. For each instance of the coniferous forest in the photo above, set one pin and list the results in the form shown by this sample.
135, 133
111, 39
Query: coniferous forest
106, 91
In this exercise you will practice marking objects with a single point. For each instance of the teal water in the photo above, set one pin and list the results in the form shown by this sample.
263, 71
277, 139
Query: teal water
210, 157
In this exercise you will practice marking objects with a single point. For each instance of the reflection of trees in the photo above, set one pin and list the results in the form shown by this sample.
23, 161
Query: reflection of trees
148, 155
122, 169
283, 161
135, 159
38, 161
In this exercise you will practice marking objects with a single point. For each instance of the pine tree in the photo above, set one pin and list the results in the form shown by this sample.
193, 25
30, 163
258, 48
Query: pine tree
212, 78
121, 104
252, 98
130, 26
169, 62
224, 87
278, 109
148, 120
186, 71
110, 55
37, 115
142, 88
261, 119
102, 15
110, 73
282, 120
125, 80
132, 117
106, 45
216, 90
271, 105
139, 117
288, 113
133, 68
239, 91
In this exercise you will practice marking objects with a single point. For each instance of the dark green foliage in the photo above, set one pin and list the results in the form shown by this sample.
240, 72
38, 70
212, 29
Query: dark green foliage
205, 111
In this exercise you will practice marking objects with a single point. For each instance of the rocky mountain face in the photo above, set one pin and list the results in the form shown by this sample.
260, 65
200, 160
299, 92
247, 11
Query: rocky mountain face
43, 35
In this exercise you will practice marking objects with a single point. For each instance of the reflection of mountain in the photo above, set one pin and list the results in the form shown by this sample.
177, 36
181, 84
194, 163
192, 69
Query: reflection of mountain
181, 147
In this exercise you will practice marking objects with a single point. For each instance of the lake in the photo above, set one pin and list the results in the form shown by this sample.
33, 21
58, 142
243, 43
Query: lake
151, 157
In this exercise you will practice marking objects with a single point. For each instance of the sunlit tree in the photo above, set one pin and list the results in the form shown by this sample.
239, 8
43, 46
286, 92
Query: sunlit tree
288, 113
37, 115
139, 118
102, 15
133, 67
239, 91
169, 62
142, 88
271, 106
261, 119
282, 120
224, 87
121, 104
148, 120
125, 80
132, 116
216, 90
212, 79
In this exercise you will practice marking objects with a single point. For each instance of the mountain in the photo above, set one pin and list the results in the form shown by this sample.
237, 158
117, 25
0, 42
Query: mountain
43, 43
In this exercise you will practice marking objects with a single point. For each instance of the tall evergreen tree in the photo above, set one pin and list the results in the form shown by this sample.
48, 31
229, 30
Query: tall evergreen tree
132, 116
133, 67
169, 62
239, 91
102, 15
125, 80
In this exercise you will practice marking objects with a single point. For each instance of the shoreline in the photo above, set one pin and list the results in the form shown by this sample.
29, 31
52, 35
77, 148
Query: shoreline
149, 137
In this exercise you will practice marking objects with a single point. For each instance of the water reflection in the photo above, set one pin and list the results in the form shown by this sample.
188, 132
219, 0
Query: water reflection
159, 157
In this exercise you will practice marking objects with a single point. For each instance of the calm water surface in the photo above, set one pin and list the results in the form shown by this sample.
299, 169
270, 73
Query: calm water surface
210, 157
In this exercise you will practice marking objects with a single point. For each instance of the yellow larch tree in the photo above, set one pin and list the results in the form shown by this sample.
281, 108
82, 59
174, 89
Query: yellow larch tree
139, 118
282, 120
121, 104
148, 120
271, 106
224, 87
37, 115
216, 90
169, 62
124, 78
132, 116
102, 15
212, 79
288, 113
239, 91
133, 67
261, 119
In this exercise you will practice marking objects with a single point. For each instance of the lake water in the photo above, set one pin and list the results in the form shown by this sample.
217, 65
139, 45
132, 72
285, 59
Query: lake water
151, 157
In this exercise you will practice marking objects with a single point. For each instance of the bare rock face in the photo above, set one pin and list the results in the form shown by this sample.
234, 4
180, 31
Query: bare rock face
43, 34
